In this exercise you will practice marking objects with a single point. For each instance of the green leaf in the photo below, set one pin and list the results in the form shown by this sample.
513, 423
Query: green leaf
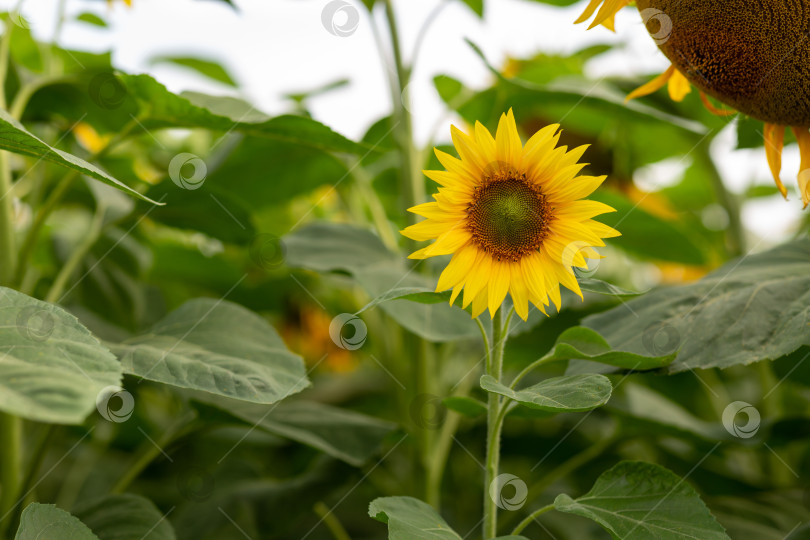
92, 18
647, 412
465, 405
207, 68
261, 173
421, 295
346, 435
603, 287
52, 368
125, 517
333, 247
580, 343
751, 309
162, 109
410, 519
570, 393
476, 5
218, 347
47, 522
641, 501
15, 138
645, 234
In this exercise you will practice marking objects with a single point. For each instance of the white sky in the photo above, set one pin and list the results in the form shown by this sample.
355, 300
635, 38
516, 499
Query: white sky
272, 47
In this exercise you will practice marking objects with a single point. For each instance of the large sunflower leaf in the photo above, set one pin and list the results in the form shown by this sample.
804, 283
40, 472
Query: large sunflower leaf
15, 138
46, 521
334, 247
410, 519
580, 343
346, 435
162, 109
125, 517
570, 393
52, 368
218, 347
753, 308
641, 501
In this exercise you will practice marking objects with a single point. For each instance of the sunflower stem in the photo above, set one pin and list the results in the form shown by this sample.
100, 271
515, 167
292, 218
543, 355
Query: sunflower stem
496, 409
10, 467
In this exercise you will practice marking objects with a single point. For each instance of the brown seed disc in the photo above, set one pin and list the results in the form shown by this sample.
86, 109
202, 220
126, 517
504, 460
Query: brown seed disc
508, 217
753, 55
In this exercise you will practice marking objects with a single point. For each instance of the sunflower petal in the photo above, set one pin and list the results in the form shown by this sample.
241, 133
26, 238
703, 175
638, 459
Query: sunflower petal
803, 138
457, 269
678, 86
507, 140
498, 285
518, 291
774, 143
652, 86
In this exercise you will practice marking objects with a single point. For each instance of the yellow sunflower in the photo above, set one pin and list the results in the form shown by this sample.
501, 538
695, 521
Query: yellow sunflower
752, 56
512, 216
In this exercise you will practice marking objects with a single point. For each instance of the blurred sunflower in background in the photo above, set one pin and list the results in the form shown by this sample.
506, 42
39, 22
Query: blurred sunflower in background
752, 56
512, 216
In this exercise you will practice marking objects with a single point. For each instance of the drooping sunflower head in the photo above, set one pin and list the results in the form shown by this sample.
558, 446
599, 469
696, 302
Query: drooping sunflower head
752, 56
512, 216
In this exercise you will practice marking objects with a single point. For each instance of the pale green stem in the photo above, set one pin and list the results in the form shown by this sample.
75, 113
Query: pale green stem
55, 198
10, 467
151, 451
76, 257
531, 517
496, 411
528, 369
331, 521
413, 186
7, 249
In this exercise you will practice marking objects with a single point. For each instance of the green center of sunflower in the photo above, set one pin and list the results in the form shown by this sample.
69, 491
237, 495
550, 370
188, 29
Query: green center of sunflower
508, 217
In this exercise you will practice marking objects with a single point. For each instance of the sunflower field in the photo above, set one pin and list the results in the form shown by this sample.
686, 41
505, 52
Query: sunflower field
404, 269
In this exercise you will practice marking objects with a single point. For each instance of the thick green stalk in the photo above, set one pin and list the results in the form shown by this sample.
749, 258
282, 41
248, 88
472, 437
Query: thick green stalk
7, 249
495, 415
413, 186
10, 467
